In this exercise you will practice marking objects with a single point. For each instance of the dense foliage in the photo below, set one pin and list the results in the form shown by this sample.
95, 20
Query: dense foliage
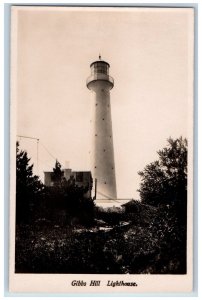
150, 241
67, 203
57, 174
165, 180
63, 203
29, 188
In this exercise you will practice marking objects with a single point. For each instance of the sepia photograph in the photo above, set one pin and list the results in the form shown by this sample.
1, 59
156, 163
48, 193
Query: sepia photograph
101, 190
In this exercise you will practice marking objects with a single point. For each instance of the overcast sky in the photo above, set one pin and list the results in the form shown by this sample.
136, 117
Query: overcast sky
150, 54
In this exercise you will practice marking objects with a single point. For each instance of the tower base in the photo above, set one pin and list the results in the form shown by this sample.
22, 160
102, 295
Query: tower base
105, 203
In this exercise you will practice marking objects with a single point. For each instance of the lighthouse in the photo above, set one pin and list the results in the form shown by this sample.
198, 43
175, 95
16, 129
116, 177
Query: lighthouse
102, 153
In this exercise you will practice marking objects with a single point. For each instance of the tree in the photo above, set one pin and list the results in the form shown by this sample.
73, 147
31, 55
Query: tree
57, 174
28, 187
165, 180
66, 196
164, 184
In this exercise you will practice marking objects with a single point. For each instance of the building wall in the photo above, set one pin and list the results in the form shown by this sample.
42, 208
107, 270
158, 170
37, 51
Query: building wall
82, 178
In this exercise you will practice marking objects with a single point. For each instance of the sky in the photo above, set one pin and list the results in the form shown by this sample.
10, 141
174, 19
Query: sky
150, 55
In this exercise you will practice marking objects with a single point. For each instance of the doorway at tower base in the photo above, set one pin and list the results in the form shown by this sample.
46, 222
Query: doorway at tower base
111, 202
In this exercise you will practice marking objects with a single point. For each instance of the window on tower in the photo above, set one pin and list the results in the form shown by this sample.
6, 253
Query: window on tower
100, 67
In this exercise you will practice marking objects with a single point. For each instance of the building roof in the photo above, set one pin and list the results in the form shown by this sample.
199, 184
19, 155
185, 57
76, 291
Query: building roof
98, 61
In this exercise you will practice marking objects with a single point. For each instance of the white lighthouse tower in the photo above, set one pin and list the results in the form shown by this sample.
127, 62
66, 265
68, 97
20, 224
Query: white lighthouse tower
103, 166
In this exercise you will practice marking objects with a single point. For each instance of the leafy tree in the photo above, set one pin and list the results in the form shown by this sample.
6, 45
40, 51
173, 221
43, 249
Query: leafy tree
28, 187
165, 180
66, 196
79, 208
57, 174
164, 184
